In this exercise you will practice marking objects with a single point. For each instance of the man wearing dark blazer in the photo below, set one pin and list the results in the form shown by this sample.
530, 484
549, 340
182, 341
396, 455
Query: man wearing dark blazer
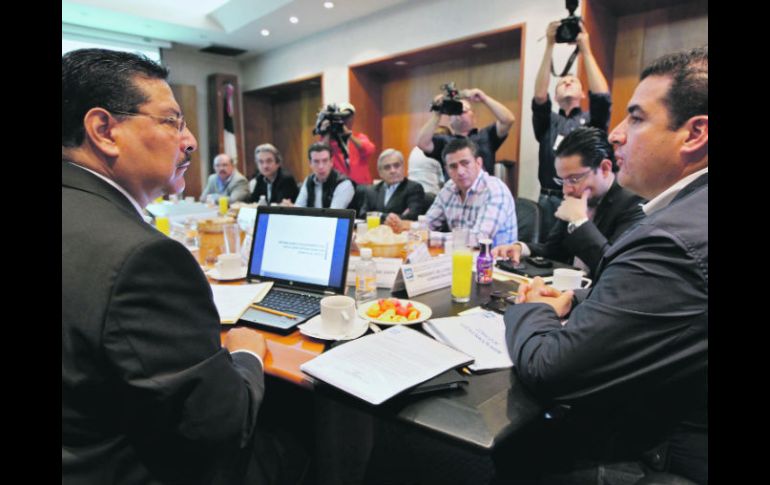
625, 376
271, 182
395, 194
595, 210
149, 394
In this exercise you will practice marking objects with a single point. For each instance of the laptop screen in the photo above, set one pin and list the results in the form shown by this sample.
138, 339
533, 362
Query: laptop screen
300, 247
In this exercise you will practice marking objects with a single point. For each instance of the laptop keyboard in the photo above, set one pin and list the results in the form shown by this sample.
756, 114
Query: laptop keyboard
295, 303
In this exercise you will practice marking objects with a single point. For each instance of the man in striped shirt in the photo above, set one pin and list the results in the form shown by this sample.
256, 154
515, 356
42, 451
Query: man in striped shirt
472, 199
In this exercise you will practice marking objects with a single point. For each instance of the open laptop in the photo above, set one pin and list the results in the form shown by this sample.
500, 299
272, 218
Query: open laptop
305, 253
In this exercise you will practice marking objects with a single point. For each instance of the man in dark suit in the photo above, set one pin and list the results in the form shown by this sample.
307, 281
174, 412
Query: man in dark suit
395, 194
595, 210
271, 182
149, 395
628, 369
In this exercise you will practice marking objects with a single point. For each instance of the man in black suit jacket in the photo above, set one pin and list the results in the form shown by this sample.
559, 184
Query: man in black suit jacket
595, 210
271, 182
149, 395
395, 194
628, 369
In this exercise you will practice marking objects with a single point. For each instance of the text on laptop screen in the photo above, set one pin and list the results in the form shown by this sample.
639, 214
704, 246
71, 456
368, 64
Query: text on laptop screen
304, 249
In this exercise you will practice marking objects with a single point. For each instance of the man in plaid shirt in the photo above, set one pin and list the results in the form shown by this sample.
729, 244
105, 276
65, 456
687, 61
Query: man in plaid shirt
472, 199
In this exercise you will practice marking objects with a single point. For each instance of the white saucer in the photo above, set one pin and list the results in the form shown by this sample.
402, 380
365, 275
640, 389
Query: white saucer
214, 273
312, 328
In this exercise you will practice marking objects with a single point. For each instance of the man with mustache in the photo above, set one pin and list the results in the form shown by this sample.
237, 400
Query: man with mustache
149, 394
226, 181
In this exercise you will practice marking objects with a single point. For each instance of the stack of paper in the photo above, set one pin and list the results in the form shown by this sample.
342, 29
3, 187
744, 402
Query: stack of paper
379, 366
232, 300
480, 335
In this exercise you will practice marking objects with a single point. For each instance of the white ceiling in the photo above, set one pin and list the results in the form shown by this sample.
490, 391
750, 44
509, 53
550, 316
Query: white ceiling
231, 23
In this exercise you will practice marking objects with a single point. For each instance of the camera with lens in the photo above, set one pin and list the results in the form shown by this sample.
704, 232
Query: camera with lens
450, 103
569, 28
336, 120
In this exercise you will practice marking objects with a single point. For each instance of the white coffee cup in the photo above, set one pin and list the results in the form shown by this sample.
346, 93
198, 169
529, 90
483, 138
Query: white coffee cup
569, 279
229, 265
338, 314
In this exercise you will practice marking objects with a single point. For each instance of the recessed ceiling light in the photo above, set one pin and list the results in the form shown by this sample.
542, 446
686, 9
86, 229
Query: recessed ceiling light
265, 32
293, 20
401, 63
479, 45
329, 4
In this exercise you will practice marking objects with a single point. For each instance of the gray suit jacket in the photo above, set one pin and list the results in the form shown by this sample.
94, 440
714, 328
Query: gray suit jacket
632, 360
237, 188
148, 393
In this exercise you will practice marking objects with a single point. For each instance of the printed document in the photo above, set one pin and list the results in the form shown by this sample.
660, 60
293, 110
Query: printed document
379, 366
232, 300
479, 334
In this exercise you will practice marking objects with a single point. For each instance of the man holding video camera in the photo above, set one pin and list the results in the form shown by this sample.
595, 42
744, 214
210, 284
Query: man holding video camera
462, 121
350, 150
551, 128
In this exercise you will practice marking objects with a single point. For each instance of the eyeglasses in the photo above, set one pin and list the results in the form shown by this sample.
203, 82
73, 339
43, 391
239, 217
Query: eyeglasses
177, 122
572, 179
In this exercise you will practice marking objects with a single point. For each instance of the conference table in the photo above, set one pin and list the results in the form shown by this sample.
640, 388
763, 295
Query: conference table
492, 406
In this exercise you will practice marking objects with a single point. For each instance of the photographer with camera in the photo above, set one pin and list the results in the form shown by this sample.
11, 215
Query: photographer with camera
350, 150
456, 104
550, 128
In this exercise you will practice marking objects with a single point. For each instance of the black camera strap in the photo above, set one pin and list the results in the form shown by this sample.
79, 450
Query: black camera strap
570, 61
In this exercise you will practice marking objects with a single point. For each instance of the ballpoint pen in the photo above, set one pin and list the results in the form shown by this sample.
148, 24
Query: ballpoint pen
274, 312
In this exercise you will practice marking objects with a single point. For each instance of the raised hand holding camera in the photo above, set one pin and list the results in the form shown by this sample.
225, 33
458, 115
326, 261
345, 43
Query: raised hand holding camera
448, 103
569, 27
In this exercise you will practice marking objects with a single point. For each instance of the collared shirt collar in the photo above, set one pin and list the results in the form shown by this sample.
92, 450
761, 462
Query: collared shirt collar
222, 184
120, 189
474, 186
664, 198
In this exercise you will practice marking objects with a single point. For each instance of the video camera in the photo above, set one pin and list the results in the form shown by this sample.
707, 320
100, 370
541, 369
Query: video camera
450, 104
570, 27
336, 120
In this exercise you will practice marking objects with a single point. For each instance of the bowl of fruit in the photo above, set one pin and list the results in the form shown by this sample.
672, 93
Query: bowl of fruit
394, 311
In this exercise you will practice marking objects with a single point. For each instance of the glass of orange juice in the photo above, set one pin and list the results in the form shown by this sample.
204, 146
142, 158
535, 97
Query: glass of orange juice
462, 266
373, 219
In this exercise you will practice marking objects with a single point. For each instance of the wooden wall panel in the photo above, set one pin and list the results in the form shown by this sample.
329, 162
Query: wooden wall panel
257, 127
602, 28
187, 97
643, 37
405, 99
628, 65
284, 116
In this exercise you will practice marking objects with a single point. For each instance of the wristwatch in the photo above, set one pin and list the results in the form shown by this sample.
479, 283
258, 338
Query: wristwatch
575, 224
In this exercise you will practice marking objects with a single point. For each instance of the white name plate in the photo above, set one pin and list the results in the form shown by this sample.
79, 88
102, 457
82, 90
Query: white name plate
419, 278
387, 269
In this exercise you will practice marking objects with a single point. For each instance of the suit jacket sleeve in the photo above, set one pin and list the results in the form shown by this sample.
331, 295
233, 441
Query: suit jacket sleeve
209, 188
634, 329
240, 189
180, 392
589, 244
415, 200
553, 247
